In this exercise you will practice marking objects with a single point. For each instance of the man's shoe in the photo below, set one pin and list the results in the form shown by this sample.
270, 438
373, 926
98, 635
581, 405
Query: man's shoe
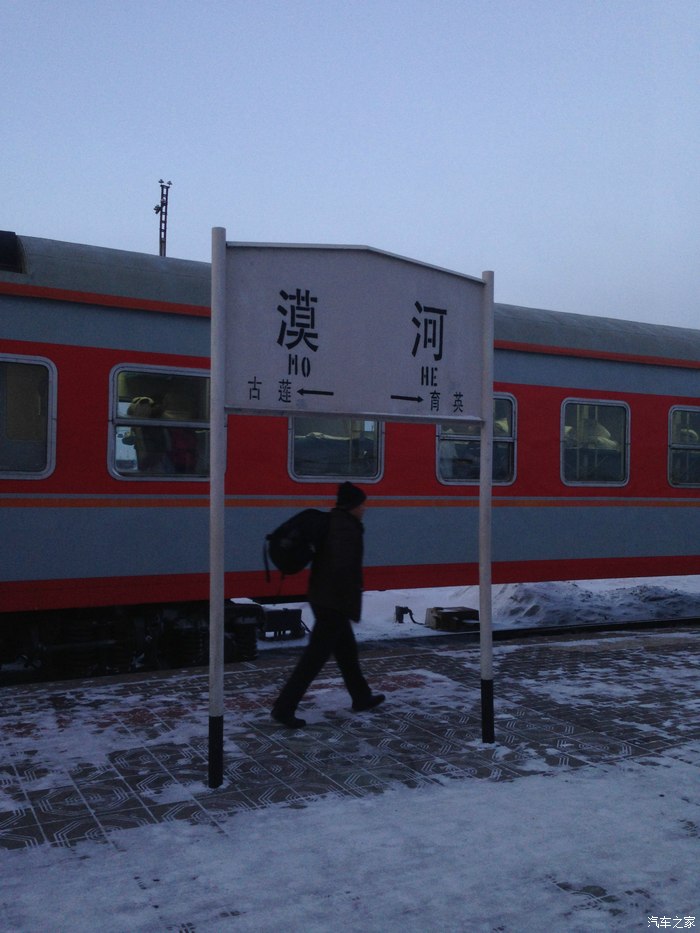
373, 701
288, 719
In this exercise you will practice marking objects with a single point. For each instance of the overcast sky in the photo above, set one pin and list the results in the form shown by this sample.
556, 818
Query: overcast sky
555, 142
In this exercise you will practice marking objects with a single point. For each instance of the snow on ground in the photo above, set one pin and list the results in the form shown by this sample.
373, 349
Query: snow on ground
601, 849
529, 605
610, 847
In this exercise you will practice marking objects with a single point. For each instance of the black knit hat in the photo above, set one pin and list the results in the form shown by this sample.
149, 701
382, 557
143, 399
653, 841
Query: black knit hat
349, 496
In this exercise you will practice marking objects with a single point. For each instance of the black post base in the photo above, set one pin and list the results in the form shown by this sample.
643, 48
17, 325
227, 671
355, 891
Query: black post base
487, 719
216, 751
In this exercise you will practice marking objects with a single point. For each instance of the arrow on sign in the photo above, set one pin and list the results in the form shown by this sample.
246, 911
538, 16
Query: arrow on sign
408, 398
314, 392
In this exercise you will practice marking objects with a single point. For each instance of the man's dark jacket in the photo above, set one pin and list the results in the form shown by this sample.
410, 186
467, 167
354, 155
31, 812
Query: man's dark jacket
336, 572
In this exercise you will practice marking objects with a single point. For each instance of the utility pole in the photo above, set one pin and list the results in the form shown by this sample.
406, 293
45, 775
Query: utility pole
162, 210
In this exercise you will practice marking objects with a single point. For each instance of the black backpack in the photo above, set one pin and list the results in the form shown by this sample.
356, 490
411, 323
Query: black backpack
292, 546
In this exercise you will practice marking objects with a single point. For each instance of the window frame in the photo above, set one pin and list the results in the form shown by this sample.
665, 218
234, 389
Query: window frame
607, 403
511, 439
115, 420
51, 415
336, 478
675, 446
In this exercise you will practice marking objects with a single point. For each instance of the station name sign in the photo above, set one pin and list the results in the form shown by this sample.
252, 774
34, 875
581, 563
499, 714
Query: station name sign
350, 330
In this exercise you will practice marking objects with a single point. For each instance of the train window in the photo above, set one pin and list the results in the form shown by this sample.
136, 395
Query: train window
335, 448
27, 417
160, 424
684, 447
594, 443
459, 447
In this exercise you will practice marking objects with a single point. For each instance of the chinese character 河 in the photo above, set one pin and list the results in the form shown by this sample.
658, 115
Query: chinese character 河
430, 330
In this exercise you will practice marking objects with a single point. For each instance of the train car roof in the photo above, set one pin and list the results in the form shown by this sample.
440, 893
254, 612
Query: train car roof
97, 270
61, 267
582, 333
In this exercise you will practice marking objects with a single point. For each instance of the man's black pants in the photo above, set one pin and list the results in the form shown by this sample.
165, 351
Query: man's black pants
332, 634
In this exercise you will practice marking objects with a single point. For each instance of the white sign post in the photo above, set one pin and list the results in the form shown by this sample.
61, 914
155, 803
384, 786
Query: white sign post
343, 330
217, 505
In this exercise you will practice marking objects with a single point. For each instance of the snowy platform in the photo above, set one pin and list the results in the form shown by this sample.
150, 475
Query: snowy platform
584, 814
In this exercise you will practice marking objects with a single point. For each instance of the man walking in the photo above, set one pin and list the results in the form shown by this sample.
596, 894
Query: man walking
335, 594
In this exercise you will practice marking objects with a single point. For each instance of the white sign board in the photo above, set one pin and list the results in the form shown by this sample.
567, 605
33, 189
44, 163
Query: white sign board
350, 330
343, 330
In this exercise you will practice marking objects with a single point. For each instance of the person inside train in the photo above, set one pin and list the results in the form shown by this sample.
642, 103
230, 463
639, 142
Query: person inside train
182, 441
150, 443
591, 434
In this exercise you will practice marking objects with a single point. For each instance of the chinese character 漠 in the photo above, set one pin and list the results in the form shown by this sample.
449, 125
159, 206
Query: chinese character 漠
299, 322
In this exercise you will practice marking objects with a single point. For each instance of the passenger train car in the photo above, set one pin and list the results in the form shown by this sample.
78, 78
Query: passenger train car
104, 447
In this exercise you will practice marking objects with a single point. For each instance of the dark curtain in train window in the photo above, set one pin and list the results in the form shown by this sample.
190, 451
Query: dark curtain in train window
24, 403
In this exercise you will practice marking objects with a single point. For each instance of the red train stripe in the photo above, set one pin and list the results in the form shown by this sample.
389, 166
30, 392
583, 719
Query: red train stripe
595, 354
164, 588
97, 298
